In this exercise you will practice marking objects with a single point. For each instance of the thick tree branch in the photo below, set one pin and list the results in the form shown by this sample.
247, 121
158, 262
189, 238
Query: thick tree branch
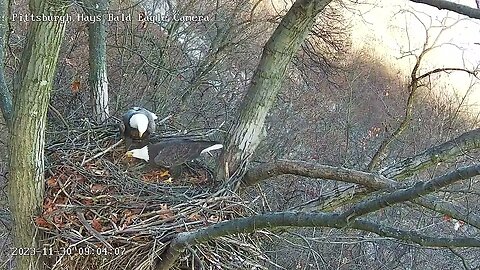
312, 170
301, 219
440, 153
447, 5
347, 219
419, 189
336, 198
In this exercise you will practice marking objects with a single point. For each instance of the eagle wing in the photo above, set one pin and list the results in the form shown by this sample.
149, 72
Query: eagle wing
177, 152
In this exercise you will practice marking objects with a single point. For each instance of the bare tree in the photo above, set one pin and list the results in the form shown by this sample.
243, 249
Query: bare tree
97, 50
30, 102
374, 191
248, 130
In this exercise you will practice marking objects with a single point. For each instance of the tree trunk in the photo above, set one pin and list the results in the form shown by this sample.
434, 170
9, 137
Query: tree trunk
27, 134
97, 43
246, 133
5, 95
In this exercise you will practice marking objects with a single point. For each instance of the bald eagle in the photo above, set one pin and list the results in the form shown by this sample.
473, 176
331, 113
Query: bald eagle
138, 124
174, 152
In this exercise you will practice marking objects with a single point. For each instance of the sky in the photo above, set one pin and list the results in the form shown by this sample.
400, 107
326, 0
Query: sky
392, 29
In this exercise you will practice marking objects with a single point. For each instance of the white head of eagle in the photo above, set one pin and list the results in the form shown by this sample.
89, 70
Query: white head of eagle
140, 122
141, 153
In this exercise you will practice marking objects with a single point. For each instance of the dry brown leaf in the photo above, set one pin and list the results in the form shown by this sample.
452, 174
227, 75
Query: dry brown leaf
48, 206
87, 201
97, 225
129, 220
75, 86
41, 222
97, 188
195, 217
52, 182
61, 199
58, 220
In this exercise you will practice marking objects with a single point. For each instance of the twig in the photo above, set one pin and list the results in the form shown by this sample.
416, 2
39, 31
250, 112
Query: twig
89, 228
103, 152
164, 119
56, 112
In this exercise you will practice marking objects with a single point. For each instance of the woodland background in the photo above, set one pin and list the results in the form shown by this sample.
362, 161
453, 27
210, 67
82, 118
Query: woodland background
338, 105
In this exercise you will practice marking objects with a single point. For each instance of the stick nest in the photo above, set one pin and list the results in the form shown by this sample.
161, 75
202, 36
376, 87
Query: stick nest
110, 212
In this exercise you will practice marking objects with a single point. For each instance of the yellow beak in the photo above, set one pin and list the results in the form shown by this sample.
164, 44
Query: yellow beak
129, 154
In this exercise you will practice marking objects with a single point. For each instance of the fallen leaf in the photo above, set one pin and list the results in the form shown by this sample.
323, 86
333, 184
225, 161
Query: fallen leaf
52, 182
97, 225
75, 86
87, 201
58, 220
48, 206
447, 218
41, 222
194, 217
61, 199
97, 188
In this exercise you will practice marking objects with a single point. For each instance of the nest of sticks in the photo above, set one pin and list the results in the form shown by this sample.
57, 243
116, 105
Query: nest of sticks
104, 211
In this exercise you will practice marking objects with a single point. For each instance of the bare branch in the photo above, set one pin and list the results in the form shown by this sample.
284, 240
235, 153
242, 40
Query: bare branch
440, 153
450, 209
419, 189
301, 219
447, 5
312, 170
382, 151
438, 70
371, 181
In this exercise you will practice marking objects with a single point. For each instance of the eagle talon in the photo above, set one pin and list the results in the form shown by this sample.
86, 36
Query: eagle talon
165, 173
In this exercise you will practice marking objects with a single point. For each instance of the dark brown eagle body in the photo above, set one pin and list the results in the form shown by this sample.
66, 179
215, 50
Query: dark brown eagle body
174, 152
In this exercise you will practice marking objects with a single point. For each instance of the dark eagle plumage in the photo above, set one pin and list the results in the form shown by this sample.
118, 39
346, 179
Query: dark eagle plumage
173, 152
138, 124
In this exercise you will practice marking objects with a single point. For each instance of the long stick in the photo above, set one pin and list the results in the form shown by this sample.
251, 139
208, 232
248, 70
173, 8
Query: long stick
103, 152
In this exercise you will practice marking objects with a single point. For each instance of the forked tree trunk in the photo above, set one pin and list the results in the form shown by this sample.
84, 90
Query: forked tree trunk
246, 133
27, 134
97, 43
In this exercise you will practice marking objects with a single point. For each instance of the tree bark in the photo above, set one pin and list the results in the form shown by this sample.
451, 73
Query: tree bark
301, 219
416, 191
448, 5
97, 59
5, 95
312, 170
461, 145
246, 134
27, 137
